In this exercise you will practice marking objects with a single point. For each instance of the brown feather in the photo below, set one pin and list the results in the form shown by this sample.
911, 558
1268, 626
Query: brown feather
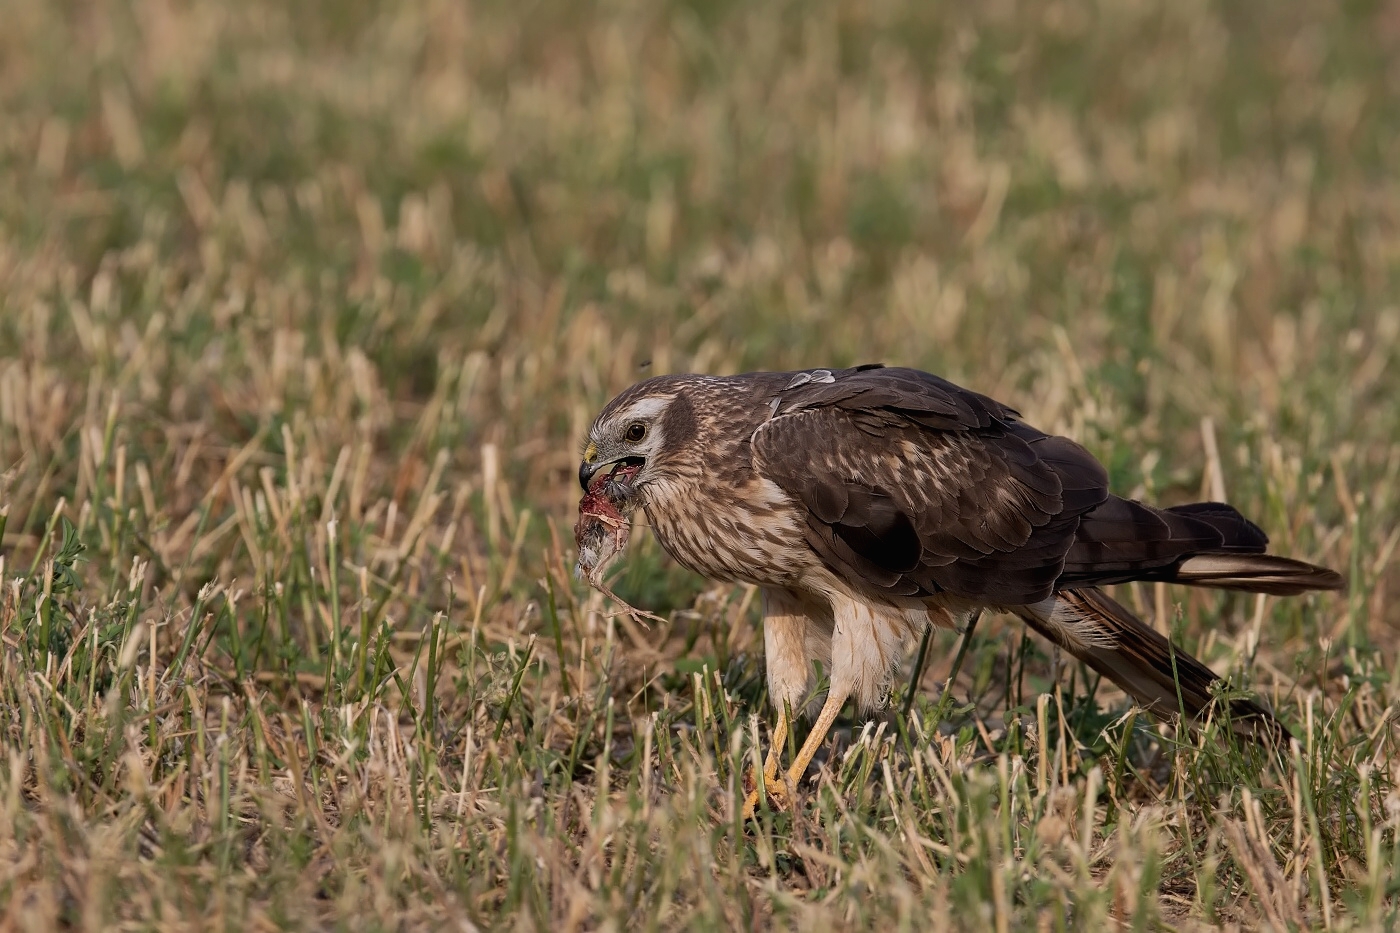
1162, 677
919, 512
902, 495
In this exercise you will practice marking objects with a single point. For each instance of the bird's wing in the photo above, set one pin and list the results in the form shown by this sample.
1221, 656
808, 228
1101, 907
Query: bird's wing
914, 486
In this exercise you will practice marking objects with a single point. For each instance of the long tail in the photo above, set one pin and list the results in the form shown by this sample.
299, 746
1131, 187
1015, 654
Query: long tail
1201, 544
1162, 677
1255, 573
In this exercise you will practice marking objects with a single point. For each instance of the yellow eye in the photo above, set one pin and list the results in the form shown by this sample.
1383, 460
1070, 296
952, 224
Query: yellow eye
635, 432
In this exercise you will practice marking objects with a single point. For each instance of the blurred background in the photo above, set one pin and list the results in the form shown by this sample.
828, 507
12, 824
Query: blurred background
1122, 217
265, 264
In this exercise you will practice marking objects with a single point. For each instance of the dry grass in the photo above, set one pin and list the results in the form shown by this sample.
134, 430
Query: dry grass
304, 308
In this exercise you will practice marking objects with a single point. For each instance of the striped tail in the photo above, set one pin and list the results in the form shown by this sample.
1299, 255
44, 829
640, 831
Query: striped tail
1200, 544
1255, 573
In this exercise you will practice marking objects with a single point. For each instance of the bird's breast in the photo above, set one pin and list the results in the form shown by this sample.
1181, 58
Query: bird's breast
746, 532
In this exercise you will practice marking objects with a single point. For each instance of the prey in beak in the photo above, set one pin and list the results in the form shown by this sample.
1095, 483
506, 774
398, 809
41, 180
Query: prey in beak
604, 526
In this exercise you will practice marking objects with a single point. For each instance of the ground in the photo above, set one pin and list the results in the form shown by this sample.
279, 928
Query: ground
304, 309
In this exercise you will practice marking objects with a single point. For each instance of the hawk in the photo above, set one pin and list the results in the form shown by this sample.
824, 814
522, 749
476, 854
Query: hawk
870, 503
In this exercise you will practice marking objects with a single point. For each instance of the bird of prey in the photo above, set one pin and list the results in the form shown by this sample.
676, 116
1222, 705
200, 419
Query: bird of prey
871, 503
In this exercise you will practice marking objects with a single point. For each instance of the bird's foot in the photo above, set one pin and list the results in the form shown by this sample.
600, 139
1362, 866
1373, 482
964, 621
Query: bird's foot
780, 793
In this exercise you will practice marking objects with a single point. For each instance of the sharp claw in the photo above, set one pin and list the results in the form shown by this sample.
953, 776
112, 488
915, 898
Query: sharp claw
777, 789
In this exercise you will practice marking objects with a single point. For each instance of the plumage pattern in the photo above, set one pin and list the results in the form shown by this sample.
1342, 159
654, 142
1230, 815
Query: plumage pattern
870, 503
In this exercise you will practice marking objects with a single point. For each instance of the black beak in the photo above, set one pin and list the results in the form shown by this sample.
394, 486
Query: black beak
585, 473
586, 470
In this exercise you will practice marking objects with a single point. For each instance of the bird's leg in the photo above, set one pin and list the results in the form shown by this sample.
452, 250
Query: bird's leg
830, 710
775, 749
786, 620
788, 785
769, 777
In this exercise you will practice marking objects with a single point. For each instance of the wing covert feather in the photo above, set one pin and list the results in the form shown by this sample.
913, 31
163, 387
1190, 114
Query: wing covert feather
914, 486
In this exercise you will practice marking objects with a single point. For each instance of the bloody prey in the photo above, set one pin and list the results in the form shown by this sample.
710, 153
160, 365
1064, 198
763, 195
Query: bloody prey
603, 530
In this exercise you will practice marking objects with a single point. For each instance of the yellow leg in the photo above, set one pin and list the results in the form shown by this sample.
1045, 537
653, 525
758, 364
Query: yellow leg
830, 710
775, 750
770, 765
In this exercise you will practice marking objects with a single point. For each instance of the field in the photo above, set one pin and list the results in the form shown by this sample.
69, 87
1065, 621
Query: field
305, 309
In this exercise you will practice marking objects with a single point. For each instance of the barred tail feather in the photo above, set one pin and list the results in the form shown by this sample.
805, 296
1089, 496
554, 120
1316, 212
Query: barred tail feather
1201, 544
1256, 573
1166, 680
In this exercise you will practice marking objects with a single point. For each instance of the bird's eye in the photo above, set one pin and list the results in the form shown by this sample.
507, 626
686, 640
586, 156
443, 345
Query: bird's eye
635, 432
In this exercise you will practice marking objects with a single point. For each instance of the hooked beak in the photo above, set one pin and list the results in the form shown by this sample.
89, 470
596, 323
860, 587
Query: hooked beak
585, 473
586, 470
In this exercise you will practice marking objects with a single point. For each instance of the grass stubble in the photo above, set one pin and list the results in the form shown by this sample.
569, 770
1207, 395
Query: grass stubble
304, 308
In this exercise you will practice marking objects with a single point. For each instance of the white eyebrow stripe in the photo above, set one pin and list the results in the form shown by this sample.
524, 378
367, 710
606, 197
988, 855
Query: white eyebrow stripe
643, 408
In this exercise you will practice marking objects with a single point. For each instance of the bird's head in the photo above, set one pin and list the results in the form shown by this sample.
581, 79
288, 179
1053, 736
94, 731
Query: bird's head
637, 437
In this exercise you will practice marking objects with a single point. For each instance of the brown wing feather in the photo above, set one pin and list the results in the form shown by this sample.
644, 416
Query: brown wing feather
915, 487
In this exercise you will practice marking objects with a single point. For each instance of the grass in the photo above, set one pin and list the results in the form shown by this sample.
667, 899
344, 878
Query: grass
303, 312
